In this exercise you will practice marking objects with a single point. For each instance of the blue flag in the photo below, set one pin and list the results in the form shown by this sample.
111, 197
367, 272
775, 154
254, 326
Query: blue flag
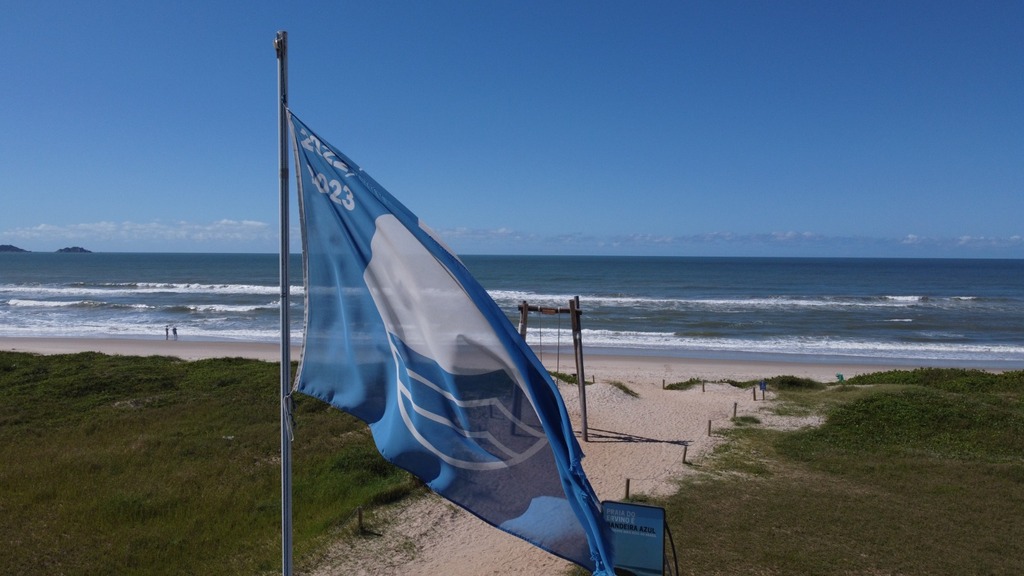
399, 334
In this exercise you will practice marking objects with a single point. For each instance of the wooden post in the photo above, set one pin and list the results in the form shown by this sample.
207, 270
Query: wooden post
702, 387
685, 446
577, 345
734, 405
709, 427
754, 390
517, 394
627, 489
524, 312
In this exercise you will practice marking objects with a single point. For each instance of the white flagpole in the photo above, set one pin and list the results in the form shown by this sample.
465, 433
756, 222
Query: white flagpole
281, 46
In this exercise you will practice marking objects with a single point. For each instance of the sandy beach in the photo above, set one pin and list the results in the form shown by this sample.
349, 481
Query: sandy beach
184, 349
649, 369
636, 439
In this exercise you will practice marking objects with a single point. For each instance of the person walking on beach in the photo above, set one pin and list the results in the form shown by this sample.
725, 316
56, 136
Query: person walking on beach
167, 332
175, 332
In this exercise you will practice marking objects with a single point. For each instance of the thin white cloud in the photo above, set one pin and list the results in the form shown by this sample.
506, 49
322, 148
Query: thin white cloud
989, 241
795, 243
221, 231
792, 236
476, 234
255, 236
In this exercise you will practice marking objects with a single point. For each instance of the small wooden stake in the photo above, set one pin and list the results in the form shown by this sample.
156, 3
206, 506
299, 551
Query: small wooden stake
734, 404
627, 488
685, 446
709, 427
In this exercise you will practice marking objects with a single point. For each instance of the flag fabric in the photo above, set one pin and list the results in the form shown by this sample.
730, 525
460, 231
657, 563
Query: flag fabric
399, 334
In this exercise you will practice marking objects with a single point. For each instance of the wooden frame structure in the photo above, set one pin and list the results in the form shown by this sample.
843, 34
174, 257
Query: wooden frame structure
574, 313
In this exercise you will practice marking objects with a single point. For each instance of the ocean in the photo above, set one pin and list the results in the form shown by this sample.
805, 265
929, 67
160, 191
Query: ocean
934, 312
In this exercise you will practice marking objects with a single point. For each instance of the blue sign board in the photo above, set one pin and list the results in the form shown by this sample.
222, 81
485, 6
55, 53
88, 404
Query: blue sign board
639, 533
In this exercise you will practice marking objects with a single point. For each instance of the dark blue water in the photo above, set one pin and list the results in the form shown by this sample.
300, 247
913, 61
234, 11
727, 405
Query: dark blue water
929, 311
206, 296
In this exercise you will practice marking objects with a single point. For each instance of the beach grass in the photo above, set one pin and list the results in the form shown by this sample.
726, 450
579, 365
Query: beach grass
564, 377
622, 387
685, 385
912, 472
153, 465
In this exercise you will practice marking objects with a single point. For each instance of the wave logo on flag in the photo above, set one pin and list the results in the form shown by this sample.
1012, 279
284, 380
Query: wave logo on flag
450, 395
399, 334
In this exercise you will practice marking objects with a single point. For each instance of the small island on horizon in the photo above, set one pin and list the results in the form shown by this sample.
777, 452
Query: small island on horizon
69, 249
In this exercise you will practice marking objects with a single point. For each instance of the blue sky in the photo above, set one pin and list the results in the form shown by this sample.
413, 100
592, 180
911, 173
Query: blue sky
814, 128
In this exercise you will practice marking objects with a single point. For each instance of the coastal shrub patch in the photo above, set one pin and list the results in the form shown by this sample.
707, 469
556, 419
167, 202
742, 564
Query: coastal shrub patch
746, 420
780, 383
625, 389
567, 378
794, 383
684, 385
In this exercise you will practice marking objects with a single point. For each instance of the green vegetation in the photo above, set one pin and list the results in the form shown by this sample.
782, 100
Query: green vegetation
774, 383
780, 383
129, 465
567, 378
746, 420
625, 389
913, 472
685, 385
791, 383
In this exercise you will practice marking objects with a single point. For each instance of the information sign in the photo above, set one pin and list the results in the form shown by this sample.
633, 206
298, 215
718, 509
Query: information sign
639, 532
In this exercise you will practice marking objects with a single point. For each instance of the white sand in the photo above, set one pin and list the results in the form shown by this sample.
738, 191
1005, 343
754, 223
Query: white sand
185, 349
639, 439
